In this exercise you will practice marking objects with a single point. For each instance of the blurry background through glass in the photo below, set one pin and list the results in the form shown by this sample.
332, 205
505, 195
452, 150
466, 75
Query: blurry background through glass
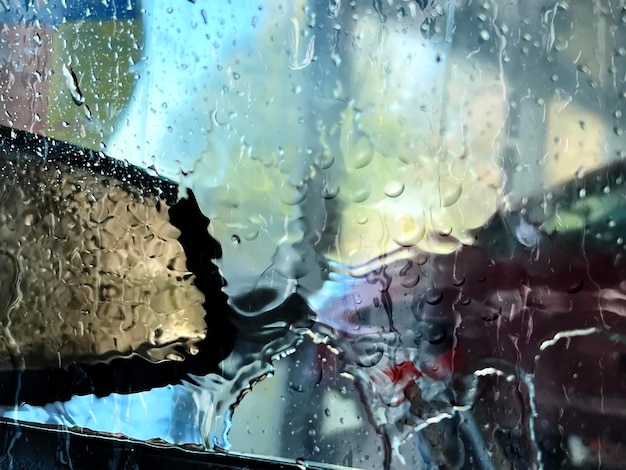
397, 224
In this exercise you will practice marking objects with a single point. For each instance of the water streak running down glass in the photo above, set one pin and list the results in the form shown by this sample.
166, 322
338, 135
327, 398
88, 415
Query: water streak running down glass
419, 207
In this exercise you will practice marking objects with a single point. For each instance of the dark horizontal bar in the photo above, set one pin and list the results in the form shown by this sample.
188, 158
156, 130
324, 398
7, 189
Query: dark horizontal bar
49, 447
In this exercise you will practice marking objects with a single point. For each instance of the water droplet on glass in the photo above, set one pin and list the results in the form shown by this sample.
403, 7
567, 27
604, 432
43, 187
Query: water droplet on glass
394, 188
251, 233
327, 160
362, 159
71, 82
450, 191
434, 297
292, 196
436, 334
406, 230
361, 219
360, 194
369, 358
484, 35
576, 287
30, 219
88, 114
491, 314
445, 232
330, 192
410, 281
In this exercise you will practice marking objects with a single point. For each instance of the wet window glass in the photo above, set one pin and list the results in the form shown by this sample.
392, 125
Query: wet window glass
316, 234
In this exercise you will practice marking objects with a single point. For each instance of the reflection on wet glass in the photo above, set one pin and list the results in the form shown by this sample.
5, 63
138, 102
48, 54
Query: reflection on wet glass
418, 205
91, 269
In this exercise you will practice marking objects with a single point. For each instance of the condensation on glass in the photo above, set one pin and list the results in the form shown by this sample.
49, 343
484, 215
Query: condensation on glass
418, 202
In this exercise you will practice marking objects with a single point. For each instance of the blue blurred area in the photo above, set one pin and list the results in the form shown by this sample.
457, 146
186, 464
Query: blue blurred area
167, 413
56, 12
187, 54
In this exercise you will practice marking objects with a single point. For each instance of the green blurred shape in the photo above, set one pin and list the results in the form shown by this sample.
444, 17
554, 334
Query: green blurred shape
101, 55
